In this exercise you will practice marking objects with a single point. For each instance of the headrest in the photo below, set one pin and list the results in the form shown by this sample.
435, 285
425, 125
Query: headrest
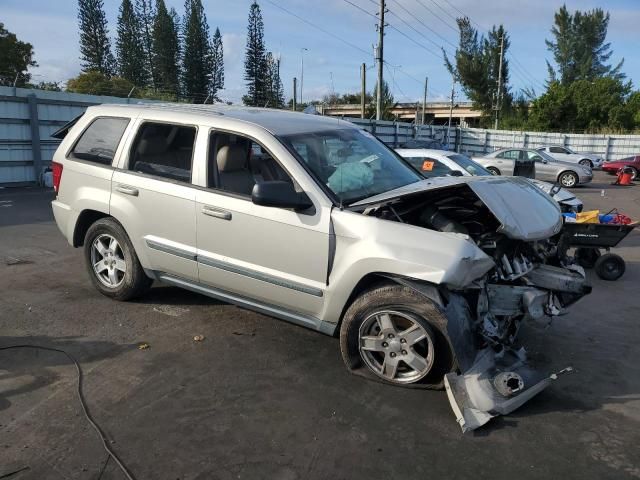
231, 158
152, 145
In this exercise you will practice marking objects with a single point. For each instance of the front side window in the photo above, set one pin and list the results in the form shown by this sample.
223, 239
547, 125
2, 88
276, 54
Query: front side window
164, 150
429, 167
236, 163
351, 163
99, 142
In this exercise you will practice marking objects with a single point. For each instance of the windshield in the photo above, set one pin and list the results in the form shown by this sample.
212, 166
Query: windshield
351, 163
469, 165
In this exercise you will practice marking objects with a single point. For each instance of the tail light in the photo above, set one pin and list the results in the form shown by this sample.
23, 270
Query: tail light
56, 169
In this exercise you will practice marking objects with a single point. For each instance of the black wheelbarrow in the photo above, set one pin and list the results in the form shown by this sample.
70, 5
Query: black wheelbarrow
589, 239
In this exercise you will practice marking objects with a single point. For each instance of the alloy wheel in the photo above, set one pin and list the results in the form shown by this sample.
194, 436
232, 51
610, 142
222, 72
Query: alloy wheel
568, 179
396, 347
108, 261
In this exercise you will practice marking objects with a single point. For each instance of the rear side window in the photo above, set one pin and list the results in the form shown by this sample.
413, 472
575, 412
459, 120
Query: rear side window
429, 167
164, 150
557, 150
99, 142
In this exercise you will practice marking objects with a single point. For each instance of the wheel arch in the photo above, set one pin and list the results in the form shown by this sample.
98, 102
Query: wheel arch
575, 174
86, 218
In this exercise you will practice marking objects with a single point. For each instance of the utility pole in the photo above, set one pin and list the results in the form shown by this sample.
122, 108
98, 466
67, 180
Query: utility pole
363, 92
499, 91
424, 99
453, 91
302, 50
380, 60
295, 89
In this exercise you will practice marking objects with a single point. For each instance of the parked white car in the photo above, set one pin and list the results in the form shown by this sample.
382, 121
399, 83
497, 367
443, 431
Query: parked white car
565, 154
434, 163
313, 220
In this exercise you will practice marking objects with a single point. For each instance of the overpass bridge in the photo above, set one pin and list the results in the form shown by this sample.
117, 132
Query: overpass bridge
436, 113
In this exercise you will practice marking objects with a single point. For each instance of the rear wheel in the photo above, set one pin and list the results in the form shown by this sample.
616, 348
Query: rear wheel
494, 170
585, 162
610, 266
397, 335
634, 172
112, 262
568, 179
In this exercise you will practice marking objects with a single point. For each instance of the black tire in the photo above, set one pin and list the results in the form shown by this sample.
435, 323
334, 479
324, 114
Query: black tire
494, 170
405, 300
587, 257
568, 179
634, 173
134, 281
610, 266
586, 162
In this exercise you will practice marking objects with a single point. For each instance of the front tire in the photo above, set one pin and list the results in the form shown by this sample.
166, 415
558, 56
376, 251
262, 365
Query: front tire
112, 262
568, 179
585, 162
397, 335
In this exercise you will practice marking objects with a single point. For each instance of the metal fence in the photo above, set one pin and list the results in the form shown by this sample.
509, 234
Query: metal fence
27, 120
477, 141
29, 117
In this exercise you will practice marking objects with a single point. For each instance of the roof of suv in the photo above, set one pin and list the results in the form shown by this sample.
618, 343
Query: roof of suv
278, 122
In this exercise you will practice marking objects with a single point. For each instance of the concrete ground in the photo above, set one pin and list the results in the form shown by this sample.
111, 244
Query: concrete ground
260, 398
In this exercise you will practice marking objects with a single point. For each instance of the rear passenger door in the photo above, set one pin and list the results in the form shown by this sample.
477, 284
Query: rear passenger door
276, 256
152, 196
506, 161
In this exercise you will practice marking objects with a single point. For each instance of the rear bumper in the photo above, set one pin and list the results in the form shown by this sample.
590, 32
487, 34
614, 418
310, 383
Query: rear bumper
65, 219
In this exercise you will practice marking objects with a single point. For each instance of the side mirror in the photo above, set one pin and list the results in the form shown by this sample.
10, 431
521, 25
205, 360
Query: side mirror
279, 194
456, 173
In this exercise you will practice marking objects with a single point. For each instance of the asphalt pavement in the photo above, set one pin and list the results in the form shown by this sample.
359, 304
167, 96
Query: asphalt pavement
259, 398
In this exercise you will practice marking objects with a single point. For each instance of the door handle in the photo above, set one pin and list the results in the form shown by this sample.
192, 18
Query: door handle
216, 212
127, 190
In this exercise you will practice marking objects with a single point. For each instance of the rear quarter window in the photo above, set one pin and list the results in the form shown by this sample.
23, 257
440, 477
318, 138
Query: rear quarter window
99, 142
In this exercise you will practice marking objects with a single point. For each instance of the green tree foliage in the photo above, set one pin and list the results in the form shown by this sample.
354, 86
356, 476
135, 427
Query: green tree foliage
15, 58
197, 58
584, 105
129, 48
578, 47
476, 64
255, 62
166, 50
95, 46
388, 103
346, 98
275, 90
217, 65
97, 83
146, 16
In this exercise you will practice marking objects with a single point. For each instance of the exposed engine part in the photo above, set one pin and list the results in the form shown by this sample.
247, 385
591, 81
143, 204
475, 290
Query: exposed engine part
432, 216
516, 267
569, 280
508, 383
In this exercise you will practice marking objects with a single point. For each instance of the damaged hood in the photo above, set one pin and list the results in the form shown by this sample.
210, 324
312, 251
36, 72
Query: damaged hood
524, 211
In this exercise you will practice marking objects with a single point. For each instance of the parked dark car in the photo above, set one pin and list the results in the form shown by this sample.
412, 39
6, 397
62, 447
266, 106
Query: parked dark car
632, 162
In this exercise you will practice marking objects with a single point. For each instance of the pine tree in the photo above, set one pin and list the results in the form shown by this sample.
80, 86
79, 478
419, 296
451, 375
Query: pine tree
275, 90
130, 54
217, 60
166, 50
146, 16
196, 73
95, 46
255, 64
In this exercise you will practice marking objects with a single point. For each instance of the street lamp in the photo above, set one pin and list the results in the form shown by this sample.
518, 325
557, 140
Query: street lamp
302, 50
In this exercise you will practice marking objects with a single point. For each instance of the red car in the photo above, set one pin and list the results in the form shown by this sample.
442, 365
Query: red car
633, 162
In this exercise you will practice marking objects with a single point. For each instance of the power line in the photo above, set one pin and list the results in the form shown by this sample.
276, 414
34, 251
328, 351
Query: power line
424, 25
455, 29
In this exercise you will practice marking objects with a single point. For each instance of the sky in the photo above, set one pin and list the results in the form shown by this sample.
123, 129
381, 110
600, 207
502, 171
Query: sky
339, 35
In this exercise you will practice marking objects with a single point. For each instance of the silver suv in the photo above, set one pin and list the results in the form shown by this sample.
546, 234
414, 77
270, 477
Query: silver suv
313, 220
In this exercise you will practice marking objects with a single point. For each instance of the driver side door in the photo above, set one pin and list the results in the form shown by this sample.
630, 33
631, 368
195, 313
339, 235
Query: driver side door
276, 257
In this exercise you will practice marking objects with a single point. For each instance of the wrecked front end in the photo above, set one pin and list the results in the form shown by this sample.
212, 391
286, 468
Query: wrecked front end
515, 224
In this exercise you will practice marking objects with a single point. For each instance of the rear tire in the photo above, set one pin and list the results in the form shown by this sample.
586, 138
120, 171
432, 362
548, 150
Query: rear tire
610, 266
634, 173
494, 170
568, 179
112, 262
368, 341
